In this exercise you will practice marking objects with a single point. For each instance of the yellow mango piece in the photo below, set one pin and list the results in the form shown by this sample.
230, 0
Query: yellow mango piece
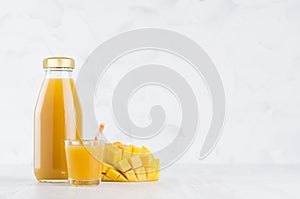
140, 174
135, 150
151, 174
123, 146
106, 178
145, 150
105, 167
123, 165
147, 159
112, 154
121, 178
117, 144
127, 151
130, 175
156, 166
126, 154
105, 156
113, 174
135, 162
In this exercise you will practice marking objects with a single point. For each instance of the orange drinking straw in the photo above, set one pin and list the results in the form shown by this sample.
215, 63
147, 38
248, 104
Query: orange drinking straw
101, 128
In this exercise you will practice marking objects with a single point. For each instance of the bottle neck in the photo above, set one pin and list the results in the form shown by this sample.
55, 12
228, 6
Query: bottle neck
58, 73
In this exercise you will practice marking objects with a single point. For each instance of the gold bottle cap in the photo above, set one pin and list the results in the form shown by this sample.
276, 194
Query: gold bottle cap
58, 62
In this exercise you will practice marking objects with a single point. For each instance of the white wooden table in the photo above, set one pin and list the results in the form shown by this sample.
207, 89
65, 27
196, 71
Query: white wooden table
178, 181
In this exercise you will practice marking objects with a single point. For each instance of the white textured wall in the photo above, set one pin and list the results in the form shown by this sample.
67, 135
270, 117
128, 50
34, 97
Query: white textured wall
255, 45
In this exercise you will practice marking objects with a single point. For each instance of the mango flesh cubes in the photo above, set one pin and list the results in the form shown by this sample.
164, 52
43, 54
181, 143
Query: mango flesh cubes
112, 154
140, 174
135, 162
131, 176
129, 163
147, 159
123, 165
150, 173
126, 151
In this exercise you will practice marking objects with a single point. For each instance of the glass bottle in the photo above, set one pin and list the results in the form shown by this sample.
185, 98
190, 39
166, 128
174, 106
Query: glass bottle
57, 118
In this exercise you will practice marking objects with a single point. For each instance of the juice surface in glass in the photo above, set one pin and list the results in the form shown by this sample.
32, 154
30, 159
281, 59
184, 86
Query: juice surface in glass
57, 118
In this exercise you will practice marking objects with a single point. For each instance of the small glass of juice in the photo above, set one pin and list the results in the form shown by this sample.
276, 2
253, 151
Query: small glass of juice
84, 161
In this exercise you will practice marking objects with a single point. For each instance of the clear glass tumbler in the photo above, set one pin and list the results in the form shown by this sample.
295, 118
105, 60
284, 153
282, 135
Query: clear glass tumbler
84, 161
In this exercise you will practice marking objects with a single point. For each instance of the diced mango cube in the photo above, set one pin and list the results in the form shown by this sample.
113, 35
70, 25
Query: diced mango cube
123, 146
130, 175
127, 151
140, 174
121, 178
106, 178
151, 173
105, 156
123, 165
145, 150
126, 154
113, 174
135, 150
105, 167
117, 144
147, 159
113, 154
135, 162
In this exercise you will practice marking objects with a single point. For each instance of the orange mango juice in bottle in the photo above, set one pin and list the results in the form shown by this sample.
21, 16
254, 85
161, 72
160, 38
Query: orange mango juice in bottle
57, 118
